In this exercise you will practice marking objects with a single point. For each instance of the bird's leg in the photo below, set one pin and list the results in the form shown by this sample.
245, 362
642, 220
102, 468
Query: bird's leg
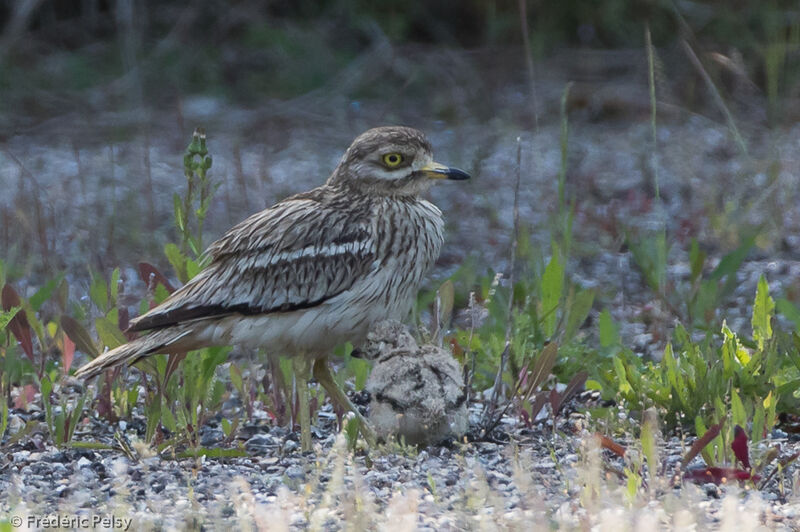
323, 375
302, 368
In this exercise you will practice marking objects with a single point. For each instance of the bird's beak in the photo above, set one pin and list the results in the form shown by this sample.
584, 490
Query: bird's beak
440, 171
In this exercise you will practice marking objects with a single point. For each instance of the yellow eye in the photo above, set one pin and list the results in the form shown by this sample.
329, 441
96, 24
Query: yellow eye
392, 160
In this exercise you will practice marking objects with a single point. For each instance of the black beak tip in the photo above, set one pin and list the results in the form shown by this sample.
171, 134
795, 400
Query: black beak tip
457, 175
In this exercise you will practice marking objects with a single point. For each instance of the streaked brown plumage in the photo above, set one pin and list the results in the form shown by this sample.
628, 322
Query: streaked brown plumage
316, 269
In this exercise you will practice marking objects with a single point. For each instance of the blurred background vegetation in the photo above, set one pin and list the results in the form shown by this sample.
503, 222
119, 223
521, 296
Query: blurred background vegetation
249, 50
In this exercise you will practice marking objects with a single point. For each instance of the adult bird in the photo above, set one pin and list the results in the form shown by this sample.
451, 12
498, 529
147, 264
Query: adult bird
313, 271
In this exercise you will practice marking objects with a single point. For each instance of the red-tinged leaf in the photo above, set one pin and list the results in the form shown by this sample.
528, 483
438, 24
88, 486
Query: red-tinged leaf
172, 364
26, 395
555, 400
611, 445
458, 351
18, 325
537, 405
151, 277
525, 417
789, 459
67, 353
125, 322
700, 443
105, 408
739, 446
574, 385
718, 475
78, 334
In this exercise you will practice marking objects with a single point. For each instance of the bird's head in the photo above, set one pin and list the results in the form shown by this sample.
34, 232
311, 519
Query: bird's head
391, 161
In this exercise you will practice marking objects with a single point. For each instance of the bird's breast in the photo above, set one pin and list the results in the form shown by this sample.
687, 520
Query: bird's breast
407, 238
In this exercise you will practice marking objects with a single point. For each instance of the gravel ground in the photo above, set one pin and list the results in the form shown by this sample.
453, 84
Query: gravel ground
534, 479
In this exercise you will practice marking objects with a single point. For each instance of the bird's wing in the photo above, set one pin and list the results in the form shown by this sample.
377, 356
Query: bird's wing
295, 255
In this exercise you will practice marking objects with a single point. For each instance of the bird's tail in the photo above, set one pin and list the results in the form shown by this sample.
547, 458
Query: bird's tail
160, 341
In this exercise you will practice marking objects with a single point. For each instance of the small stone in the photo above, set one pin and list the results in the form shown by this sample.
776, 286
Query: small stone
259, 443
295, 472
290, 446
20, 456
211, 437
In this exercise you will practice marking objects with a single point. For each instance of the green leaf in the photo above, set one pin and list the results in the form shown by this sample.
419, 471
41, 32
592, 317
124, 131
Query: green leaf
770, 405
592, 384
738, 413
697, 259
552, 282
168, 420
788, 310
44, 293
212, 453
579, 311
623, 386
236, 379
192, 268
214, 357
7, 316
74, 417
3, 418
287, 370
729, 264
650, 254
648, 438
178, 261
759, 418
700, 430
98, 292
180, 217
351, 432
153, 418
447, 296
609, 335
114, 286
763, 310
160, 293
360, 370
109, 333
46, 387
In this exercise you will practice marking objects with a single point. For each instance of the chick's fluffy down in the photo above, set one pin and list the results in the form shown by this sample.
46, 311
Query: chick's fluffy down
417, 392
